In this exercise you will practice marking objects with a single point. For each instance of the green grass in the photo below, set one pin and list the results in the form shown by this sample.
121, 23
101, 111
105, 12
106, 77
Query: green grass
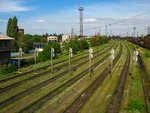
133, 100
136, 105
41, 95
41, 64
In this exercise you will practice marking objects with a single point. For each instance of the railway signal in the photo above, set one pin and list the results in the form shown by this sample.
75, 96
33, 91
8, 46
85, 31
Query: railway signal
112, 52
90, 59
35, 58
135, 58
52, 55
19, 63
70, 56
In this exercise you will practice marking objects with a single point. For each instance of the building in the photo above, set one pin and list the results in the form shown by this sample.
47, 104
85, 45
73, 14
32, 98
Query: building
52, 38
89, 37
39, 45
65, 37
5, 49
21, 31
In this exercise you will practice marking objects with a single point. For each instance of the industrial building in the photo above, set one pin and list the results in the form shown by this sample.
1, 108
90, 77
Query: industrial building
5, 49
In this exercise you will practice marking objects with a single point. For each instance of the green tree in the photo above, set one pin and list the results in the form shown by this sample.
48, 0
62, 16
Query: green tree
9, 27
85, 44
46, 53
26, 43
37, 38
14, 33
100, 41
14, 28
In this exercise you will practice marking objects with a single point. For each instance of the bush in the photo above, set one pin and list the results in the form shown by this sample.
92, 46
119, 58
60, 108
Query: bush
74, 44
85, 44
46, 53
4, 69
8, 69
11, 68
29, 61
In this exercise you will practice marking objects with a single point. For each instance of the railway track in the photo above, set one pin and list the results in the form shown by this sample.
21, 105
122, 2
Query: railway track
38, 104
116, 99
81, 100
2, 90
30, 90
41, 68
145, 82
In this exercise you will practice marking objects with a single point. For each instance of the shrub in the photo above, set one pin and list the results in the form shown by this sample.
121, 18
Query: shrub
8, 69
46, 53
85, 44
4, 69
11, 68
29, 61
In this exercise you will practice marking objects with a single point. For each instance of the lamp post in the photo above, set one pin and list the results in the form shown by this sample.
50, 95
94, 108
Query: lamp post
52, 55
70, 56
19, 63
90, 59
135, 60
112, 57
35, 59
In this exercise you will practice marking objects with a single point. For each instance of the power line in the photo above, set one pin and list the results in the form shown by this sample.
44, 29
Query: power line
141, 14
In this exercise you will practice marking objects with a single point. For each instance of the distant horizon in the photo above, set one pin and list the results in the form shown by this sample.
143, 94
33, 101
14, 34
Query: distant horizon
38, 17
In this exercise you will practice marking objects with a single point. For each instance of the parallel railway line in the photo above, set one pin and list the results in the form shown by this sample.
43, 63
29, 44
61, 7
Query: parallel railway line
43, 67
81, 100
116, 99
39, 103
30, 90
43, 73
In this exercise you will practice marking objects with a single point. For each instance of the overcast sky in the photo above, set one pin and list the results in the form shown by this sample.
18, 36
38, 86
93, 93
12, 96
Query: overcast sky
59, 16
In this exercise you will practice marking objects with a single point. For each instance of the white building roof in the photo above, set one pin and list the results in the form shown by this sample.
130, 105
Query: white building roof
3, 37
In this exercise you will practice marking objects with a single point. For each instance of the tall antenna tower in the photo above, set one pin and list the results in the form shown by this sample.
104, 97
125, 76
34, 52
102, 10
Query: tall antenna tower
81, 21
134, 31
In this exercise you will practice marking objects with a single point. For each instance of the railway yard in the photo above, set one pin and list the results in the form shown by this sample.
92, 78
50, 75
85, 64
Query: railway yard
106, 90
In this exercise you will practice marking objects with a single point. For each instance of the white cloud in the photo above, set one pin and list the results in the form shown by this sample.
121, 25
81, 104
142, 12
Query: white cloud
41, 21
12, 6
2, 20
95, 15
89, 20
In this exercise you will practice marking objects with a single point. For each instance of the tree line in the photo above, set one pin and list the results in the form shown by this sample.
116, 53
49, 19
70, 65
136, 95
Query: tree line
25, 41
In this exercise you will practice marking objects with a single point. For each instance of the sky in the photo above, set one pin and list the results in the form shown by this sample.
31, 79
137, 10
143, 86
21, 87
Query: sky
59, 16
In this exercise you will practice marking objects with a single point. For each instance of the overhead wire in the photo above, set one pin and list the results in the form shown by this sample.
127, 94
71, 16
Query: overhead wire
141, 14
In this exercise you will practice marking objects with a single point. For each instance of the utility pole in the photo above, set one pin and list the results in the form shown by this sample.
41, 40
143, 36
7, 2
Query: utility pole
127, 34
72, 35
19, 62
99, 32
148, 30
106, 30
70, 56
110, 30
137, 36
134, 28
81, 21
35, 58
135, 60
112, 52
52, 55
90, 60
